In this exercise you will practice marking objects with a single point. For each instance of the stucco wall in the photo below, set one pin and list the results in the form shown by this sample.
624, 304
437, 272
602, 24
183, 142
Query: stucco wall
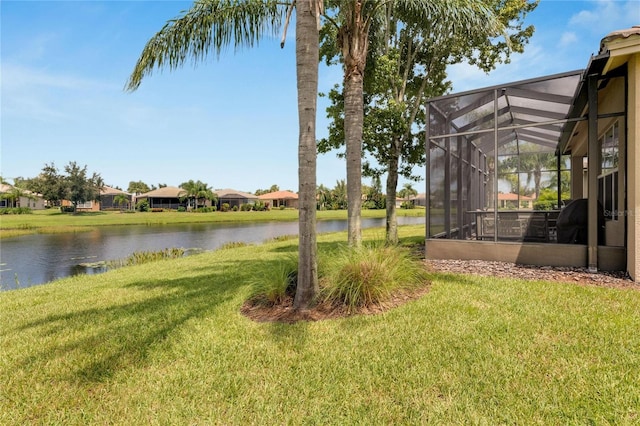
633, 182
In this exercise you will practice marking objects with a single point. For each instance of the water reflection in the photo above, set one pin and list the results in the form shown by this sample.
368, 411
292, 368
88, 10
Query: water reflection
39, 258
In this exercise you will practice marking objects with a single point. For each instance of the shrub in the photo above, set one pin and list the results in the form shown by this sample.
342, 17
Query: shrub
182, 209
282, 207
16, 210
224, 207
277, 283
67, 209
204, 210
366, 276
246, 207
235, 208
142, 206
407, 205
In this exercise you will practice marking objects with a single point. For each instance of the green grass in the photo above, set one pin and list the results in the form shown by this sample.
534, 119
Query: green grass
164, 343
53, 221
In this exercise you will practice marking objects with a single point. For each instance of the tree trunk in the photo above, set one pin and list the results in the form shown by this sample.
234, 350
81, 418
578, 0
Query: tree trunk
392, 187
353, 123
307, 58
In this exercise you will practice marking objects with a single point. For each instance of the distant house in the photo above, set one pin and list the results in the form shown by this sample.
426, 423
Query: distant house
234, 198
420, 200
108, 197
26, 199
279, 199
168, 197
513, 201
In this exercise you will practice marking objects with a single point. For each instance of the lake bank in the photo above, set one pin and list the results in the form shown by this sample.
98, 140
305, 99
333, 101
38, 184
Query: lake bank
52, 221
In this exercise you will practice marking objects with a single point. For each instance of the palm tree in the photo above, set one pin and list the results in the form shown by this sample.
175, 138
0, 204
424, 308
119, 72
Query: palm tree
307, 53
407, 192
120, 200
212, 25
355, 24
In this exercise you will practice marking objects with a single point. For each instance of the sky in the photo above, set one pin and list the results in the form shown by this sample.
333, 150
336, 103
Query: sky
231, 121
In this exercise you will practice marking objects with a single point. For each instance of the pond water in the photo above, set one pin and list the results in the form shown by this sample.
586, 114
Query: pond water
35, 259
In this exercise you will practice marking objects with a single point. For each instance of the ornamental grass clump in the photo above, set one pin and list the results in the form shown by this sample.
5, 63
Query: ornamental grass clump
366, 276
275, 284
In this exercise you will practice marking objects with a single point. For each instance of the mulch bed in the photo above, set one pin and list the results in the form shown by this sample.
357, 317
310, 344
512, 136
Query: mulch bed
262, 311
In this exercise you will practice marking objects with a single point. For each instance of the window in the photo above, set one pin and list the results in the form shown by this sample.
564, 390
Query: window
608, 179
609, 144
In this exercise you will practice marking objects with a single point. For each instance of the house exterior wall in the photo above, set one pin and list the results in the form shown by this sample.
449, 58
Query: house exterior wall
37, 204
633, 158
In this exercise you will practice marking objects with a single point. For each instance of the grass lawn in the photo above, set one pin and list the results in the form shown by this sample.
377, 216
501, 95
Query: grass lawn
165, 343
53, 221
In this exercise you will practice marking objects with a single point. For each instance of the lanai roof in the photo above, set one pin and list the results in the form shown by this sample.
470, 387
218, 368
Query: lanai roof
529, 113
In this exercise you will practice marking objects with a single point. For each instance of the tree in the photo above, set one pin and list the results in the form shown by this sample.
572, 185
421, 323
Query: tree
354, 24
211, 26
531, 162
375, 199
79, 187
407, 60
198, 192
52, 184
307, 53
323, 195
120, 200
138, 187
274, 188
407, 192
339, 196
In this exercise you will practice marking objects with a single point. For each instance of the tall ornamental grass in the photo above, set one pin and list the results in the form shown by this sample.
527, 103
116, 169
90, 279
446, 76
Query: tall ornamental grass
370, 275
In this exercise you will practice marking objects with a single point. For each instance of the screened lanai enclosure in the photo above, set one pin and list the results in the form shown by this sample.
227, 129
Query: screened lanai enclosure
504, 182
495, 170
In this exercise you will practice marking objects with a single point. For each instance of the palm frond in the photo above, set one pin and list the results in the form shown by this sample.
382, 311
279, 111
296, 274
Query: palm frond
209, 26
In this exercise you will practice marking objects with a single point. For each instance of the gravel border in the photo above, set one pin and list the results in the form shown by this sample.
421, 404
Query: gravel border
576, 275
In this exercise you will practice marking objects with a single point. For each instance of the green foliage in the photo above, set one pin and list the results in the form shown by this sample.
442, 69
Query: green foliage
407, 205
197, 193
205, 209
548, 200
142, 205
79, 187
182, 209
225, 207
279, 283
259, 206
138, 187
367, 276
235, 208
139, 258
233, 245
16, 210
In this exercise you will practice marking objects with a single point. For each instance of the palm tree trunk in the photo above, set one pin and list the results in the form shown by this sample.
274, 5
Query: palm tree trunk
353, 123
307, 55
392, 187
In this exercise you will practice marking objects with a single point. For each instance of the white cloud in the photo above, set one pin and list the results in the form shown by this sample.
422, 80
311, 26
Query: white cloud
608, 14
18, 77
567, 39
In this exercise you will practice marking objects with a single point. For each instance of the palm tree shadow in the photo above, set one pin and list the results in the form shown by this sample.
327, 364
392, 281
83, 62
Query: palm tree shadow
125, 334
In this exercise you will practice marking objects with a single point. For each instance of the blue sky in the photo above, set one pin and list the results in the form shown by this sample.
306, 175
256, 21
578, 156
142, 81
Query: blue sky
232, 122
